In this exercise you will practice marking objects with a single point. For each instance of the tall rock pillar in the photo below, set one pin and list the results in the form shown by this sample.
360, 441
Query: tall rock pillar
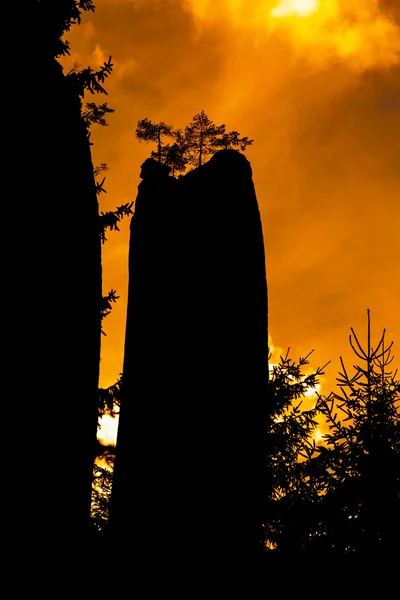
190, 472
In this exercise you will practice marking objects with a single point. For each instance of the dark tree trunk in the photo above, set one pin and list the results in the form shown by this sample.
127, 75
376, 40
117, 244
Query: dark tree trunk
190, 481
54, 276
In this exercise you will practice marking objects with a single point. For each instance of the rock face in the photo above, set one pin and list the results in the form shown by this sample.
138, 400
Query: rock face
190, 452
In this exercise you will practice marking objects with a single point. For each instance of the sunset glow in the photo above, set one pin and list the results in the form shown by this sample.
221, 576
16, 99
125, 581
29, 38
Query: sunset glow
320, 31
300, 8
107, 433
356, 33
319, 95
318, 435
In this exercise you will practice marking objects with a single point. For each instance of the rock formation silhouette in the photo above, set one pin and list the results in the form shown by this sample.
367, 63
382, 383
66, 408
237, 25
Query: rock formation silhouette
189, 477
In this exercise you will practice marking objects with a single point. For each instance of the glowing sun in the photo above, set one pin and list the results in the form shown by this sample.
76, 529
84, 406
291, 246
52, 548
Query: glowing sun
299, 8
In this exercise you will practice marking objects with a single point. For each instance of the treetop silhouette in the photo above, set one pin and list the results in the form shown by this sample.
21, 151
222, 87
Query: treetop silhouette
152, 132
202, 137
339, 499
192, 145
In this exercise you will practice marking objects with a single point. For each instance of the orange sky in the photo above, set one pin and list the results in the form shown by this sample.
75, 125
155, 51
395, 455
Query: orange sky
317, 85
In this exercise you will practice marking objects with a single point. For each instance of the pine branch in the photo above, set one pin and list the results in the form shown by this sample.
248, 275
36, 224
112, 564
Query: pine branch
94, 114
89, 80
111, 219
106, 305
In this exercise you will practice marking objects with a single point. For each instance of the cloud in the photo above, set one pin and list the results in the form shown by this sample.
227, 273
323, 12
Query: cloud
320, 31
321, 100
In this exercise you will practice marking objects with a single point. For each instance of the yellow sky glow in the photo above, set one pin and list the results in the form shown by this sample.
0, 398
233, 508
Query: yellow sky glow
107, 433
300, 8
319, 93
321, 31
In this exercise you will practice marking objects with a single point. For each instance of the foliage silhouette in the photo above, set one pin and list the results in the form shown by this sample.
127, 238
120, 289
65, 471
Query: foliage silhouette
200, 139
174, 155
290, 436
232, 140
90, 80
109, 399
339, 499
362, 455
106, 305
102, 485
95, 114
153, 132
108, 404
111, 219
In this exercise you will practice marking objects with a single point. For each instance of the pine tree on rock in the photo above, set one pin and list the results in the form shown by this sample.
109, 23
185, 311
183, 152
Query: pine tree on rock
202, 138
232, 140
174, 157
154, 132
192, 146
